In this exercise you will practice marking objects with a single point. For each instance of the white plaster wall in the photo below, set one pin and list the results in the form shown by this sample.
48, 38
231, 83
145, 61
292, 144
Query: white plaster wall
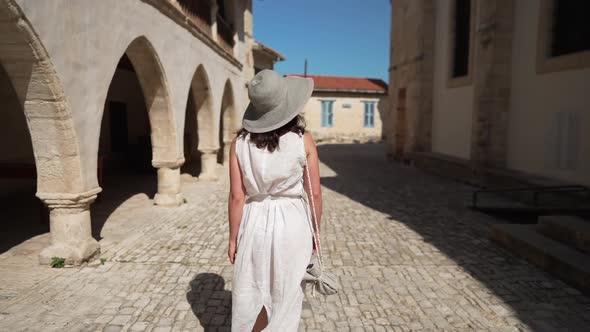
347, 122
452, 107
534, 99
85, 39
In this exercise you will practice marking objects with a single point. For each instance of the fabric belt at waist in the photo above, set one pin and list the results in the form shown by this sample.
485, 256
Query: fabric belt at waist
264, 197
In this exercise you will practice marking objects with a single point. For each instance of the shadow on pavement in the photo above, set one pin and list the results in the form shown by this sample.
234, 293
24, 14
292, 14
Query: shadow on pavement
210, 302
117, 189
436, 209
21, 214
23, 218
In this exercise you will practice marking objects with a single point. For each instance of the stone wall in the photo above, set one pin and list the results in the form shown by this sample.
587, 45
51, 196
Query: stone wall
518, 108
60, 56
411, 75
549, 118
86, 76
491, 81
452, 102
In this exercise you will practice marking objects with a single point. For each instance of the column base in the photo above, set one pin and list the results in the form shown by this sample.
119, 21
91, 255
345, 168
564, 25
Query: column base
208, 165
226, 150
169, 193
208, 177
71, 231
74, 254
172, 200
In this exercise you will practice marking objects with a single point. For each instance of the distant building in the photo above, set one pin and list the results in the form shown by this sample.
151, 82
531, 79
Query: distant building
346, 108
265, 57
479, 86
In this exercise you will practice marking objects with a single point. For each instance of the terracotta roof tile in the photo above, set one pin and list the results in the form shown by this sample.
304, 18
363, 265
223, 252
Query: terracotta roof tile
322, 82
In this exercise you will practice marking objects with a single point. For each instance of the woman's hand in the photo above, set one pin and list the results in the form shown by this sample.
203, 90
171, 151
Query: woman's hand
232, 251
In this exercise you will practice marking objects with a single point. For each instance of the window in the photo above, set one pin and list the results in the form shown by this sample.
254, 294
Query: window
570, 32
369, 118
563, 41
461, 38
199, 9
221, 9
327, 113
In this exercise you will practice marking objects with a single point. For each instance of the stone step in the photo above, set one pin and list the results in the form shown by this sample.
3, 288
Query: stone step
564, 262
572, 231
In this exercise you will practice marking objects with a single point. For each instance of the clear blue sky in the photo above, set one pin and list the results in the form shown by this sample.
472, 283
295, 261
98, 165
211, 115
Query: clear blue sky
338, 37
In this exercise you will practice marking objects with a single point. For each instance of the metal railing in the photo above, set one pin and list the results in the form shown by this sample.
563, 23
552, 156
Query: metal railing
577, 196
225, 32
200, 13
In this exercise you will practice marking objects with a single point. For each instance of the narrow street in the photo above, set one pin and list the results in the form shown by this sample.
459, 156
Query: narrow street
409, 254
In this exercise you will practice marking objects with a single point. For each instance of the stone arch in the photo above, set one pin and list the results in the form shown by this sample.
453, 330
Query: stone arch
154, 86
49, 118
199, 126
228, 122
165, 155
60, 183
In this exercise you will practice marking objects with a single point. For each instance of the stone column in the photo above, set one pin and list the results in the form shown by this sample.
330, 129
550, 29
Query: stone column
208, 165
411, 74
491, 82
169, 193
70, 227
226, 148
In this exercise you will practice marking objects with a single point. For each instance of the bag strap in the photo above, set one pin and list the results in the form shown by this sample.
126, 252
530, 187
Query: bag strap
316, 237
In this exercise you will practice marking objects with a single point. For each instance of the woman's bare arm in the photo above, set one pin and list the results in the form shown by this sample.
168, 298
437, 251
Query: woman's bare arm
314, 173
237, 196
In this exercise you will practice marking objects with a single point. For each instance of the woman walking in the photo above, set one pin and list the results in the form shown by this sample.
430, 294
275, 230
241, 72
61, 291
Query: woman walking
270, 238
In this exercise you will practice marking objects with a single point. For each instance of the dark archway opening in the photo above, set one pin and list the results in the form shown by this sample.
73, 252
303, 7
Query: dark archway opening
125, 148
192, 156
22, 215
221, 152
198, 124
227, 124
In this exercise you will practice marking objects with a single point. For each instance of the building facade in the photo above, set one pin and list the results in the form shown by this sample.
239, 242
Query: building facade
265, 57
346, 108
89, 87
494, 85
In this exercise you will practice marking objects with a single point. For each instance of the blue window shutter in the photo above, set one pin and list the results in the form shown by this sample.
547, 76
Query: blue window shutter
323, 113
331, 121
369, 114
327, 113
371, 117
373, 114
366, 115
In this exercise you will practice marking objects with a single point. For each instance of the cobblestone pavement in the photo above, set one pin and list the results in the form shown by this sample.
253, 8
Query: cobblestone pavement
408, 253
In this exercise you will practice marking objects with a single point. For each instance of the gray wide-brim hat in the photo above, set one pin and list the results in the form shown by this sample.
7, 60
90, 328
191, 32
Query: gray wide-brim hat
274, 100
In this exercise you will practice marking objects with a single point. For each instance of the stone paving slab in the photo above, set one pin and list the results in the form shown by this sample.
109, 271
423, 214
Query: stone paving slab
408, 254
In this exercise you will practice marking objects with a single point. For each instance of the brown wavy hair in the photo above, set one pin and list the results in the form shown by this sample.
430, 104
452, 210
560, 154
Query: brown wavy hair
270, 140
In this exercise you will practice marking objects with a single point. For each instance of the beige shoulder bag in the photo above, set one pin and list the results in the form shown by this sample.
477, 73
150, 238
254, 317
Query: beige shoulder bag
323, 282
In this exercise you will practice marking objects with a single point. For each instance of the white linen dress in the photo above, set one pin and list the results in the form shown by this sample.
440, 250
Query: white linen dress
274, 238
